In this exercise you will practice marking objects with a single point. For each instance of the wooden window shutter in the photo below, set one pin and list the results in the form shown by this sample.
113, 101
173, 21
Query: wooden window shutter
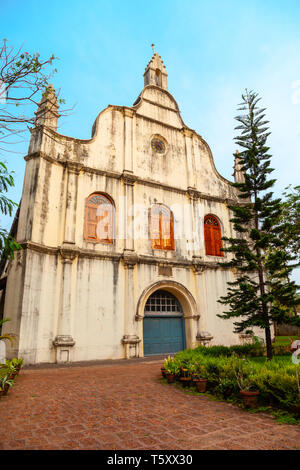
155, 229
99, 225
105, 222
208, 240
212, 236
162, 229
218, 241
91, 223
167, 231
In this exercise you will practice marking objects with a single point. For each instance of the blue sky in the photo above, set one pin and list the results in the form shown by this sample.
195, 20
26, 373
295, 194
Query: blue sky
212, 51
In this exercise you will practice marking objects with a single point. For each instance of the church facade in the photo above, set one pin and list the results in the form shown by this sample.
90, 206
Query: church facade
121, 236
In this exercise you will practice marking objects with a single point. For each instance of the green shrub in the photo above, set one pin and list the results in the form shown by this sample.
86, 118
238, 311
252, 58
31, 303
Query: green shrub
281, 350
250, 350
228, 373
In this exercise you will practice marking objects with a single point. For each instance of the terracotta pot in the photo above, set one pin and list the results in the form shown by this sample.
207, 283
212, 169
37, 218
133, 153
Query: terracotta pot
182, 371
170, 378
200, 385
185, 381
163, 371
249, 398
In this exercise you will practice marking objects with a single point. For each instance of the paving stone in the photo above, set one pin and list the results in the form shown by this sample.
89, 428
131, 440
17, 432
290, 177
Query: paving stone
127, 406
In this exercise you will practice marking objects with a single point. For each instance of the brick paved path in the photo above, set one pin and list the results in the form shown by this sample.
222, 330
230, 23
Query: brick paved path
125, 406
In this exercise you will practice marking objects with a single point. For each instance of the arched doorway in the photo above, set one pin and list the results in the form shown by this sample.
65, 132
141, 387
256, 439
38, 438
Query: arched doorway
163, 328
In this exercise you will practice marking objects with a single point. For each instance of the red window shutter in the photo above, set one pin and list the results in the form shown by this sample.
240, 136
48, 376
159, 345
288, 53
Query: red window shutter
218, 241
208, 240
212, 236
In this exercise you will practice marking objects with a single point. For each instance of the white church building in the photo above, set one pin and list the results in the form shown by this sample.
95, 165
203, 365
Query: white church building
121, 236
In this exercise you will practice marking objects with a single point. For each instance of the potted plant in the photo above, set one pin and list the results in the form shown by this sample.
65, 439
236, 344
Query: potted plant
10, 369
172, 369
185, 378
18, 363
5, 384
186, 374
200, 379
245, 383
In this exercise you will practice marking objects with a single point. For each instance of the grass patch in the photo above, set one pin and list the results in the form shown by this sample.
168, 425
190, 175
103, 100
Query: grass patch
284, 340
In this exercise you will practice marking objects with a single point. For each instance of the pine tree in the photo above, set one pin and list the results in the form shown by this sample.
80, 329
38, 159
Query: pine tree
260, 294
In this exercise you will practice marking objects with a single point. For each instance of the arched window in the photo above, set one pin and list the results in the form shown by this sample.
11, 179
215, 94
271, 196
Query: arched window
162, 302
158, 77
212, 236
99, 219
162, 228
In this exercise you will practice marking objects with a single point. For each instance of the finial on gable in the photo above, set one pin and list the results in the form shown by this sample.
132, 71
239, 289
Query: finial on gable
238, 173
155, 73
47, 112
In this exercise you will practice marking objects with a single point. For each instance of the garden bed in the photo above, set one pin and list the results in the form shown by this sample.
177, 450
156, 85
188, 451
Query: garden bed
230, 370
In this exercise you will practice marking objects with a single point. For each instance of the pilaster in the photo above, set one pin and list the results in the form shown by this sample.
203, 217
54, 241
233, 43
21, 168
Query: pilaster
128, 131
188, 135
73, 169
130, 339
195, 222
64, 341
128, 181
202, 336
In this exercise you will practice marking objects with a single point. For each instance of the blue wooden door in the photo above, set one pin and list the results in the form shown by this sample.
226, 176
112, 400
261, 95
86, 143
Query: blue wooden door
163, 335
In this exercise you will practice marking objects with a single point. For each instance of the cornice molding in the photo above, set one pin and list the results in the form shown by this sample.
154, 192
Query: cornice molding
187, 132
129, 178
128, 112
168, 108
129, 257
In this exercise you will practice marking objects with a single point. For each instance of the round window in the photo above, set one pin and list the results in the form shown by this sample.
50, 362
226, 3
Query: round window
158, 145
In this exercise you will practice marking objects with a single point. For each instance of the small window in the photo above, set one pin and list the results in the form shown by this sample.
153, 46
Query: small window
162, 228
158, 77
212, 236
99, 219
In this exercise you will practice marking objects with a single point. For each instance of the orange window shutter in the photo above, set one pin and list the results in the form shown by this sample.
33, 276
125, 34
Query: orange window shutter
167, 232
155, 230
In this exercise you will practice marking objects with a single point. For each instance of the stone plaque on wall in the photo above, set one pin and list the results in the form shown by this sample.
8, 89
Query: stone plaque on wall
165, 271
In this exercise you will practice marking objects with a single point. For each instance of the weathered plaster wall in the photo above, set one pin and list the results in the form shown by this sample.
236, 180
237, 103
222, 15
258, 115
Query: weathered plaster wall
92, 292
